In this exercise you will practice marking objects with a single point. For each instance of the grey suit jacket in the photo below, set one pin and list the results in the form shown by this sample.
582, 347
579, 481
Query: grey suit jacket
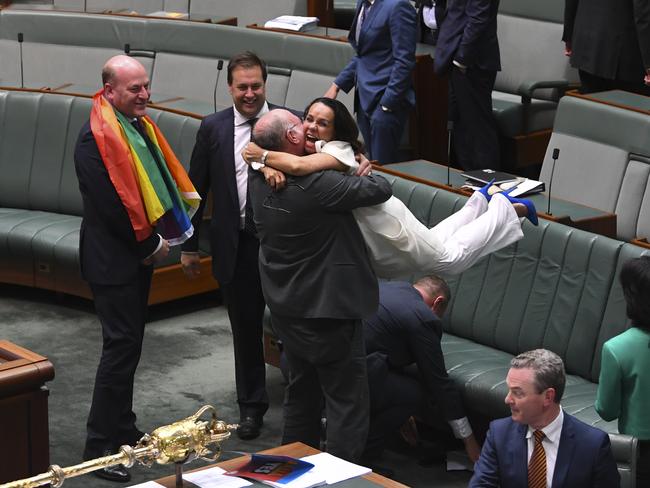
313, 259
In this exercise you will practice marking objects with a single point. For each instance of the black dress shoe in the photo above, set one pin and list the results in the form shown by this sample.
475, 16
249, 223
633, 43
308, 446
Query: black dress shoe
249, 428
114, 473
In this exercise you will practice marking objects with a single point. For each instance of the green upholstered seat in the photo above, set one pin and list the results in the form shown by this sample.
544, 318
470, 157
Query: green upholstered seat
607, 150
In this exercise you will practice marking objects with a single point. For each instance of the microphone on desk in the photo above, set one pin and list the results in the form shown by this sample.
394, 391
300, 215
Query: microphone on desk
22, 75
556, 154
450, 129
216, 83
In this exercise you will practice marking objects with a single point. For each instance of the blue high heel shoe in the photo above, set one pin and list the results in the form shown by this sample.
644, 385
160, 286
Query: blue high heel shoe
530, 206
485, 190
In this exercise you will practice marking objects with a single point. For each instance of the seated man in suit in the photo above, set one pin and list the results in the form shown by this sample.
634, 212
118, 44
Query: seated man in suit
406, 330
540, 445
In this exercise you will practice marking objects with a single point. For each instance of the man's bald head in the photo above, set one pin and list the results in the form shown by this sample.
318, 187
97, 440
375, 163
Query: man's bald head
280, 130
126, 85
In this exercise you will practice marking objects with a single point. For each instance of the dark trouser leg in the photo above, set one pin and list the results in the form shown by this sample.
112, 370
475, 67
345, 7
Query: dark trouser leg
122, 311
476, 140
382, 133
399, 398
245, 302
592, 83
325, 356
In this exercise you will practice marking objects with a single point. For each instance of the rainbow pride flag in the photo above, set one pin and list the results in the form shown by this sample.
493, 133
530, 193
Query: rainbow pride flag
153, 194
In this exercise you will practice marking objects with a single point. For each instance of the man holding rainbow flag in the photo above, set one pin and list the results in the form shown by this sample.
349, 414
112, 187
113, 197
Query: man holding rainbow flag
130, 183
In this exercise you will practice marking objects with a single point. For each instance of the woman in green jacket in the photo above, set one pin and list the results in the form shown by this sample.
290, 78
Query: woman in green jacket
624, 384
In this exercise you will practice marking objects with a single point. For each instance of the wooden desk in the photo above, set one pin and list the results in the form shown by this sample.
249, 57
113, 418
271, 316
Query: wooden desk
25, 446
618, 98
296, 450
563, 211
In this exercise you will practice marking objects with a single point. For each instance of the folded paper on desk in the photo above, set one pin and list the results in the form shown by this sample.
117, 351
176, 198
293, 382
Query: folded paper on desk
293, 22
524, 187
279, 471
214, 477
334, 469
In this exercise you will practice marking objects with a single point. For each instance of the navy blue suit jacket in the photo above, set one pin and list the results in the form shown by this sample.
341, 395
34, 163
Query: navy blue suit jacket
467, 33
584, 458
385, 56
212, 167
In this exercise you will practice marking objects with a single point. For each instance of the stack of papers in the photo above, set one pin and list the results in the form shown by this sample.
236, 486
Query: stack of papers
293, 22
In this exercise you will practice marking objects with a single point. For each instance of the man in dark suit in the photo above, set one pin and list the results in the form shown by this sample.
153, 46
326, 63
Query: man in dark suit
609, 42
541, 445
217, 166
318, 284
118, 267
468, 51
406, 331
383, 33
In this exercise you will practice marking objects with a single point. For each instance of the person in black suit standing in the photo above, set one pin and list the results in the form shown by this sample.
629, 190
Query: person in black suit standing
318, 284
406, 330
118, 266
217, 166
609, 42
468, 50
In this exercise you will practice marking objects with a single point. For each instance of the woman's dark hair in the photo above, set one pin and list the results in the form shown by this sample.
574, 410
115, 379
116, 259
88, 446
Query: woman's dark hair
635, 280
345, 127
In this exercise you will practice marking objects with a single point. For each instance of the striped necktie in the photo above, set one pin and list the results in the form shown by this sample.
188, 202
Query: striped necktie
537, 465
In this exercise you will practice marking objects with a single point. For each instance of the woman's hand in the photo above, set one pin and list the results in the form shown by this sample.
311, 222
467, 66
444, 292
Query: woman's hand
252, 152
365, 168
274, 178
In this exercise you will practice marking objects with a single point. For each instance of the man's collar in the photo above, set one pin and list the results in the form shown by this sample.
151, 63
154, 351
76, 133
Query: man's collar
240, 119
553, 430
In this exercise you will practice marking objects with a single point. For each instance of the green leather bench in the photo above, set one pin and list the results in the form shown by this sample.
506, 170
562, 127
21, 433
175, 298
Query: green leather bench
40, 203
557, 288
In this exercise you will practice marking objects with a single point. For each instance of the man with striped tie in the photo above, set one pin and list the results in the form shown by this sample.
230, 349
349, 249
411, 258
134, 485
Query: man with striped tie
540, 445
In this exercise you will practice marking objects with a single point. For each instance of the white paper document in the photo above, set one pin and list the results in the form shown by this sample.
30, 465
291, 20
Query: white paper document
148, 484
214, 478
333, 469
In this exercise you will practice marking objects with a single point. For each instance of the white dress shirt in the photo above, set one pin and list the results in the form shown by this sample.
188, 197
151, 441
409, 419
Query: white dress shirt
243, 137
551, 443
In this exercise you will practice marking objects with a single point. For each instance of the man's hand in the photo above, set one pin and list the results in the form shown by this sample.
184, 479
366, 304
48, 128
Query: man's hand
274, 178
365, 168
332, 91
472, 448
567, 49
646, 79
191, 264
159, 255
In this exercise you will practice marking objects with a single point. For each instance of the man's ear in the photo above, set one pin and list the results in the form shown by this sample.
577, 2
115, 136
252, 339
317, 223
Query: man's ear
291, 137
439, 306
108, 92
549, 396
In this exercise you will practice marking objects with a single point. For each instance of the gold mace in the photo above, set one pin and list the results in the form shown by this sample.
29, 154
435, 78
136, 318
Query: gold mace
180, 442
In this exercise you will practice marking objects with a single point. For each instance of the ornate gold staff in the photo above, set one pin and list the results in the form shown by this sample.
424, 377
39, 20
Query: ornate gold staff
180, 442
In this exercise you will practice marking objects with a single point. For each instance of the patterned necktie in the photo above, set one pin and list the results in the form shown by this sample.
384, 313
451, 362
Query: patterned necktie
249, 223
360, 19
537, 465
